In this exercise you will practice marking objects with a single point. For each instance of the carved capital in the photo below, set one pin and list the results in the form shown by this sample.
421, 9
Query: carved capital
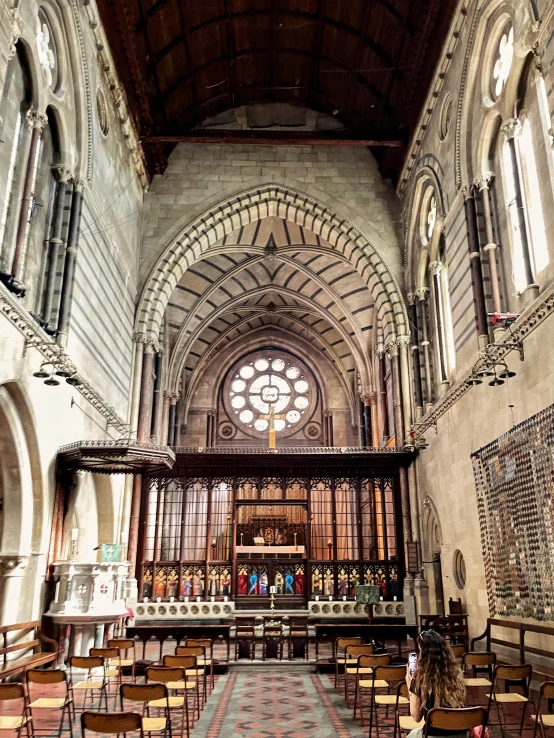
435, 267
422, 293
403, 341
511, 128
392, 347
467, 191
13, 564
36, 119
369, 398
79, 184
482, 181
140, 338
63, 173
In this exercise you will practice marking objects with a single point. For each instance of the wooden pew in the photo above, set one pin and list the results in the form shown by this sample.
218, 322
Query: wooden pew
38, 657
519, 646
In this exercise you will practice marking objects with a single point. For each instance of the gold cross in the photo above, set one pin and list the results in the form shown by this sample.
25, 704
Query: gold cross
271, 418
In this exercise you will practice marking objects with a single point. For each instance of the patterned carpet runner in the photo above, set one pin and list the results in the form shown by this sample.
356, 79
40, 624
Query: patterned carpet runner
276, 704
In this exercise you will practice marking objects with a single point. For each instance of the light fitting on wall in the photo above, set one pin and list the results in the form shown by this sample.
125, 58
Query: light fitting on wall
60, 367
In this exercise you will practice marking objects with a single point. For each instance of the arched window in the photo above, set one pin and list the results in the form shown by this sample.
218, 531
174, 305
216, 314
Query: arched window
528, 200
16, 103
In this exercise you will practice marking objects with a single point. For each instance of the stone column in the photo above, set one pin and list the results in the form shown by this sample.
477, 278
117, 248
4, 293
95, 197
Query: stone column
511, 129
421, 295
12, 570
483, 182
414, 347
55, 242
37, 121
70, 263
476, 268
173, 397
399, 432
368, 429
383, 396
435, 268
165, 418
404, 348
156, 414
140, 342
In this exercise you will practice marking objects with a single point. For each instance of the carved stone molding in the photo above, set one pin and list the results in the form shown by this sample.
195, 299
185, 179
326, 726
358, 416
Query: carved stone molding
435, 267
63, 173
511, 128
482, 181
16, 30
36, 119
36, 337
536, 314
13, 564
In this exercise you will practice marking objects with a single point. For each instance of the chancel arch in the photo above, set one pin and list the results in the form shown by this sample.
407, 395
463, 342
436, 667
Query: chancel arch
251, 206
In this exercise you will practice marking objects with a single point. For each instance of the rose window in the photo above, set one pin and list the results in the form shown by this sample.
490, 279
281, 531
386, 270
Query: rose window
269, 384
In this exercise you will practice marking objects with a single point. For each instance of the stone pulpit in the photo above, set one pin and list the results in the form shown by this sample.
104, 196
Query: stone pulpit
89, 599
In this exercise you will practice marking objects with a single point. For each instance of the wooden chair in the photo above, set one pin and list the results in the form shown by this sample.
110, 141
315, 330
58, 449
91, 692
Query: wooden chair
124, 645
369, 662
16, 691
199, 652
452, 720
145, 694
92, 683
209, 661
193, 672
299, 637
478, 661
339, 653
458, 649
175, 680
544, 719
272, 636
111, 722
388, 675
521, 673
109, 655
245, 637
65, 704
404, 723
351, 654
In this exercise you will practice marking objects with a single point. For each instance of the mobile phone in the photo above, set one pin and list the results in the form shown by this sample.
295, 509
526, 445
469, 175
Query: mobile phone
412, 662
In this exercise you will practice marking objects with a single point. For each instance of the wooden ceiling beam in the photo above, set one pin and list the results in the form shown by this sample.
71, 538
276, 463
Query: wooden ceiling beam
271, 138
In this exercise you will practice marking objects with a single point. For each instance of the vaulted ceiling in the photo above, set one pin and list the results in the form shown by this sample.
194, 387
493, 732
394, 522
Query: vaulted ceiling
271, 273
365, 63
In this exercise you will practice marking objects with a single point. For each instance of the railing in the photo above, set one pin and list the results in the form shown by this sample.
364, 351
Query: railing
298, 450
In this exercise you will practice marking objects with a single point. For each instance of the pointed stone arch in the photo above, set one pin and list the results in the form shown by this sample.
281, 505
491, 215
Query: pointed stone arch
252, 205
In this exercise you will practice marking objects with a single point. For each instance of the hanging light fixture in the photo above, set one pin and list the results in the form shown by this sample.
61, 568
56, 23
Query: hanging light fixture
485, 372
505, 373
41, 373
63, 371
496, 382
51, 381
474, 381
74, 380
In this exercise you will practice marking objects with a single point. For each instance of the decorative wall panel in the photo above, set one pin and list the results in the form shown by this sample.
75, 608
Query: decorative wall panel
514, 477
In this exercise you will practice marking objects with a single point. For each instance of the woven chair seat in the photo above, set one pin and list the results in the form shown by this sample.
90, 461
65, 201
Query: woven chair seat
93, 684
153, 723
49, 702
181, 685
390, 699
171, 702
477, 682
369, 683
12, 723
547, 720
361, 670
407, 723
509, 697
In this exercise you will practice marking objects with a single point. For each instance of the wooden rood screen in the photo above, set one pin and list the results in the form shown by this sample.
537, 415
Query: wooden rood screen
240, 534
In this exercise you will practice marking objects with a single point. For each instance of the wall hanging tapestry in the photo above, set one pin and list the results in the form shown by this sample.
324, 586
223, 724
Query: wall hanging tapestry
514, 476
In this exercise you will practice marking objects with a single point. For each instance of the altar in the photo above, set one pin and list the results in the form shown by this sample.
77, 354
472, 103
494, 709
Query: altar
271, 550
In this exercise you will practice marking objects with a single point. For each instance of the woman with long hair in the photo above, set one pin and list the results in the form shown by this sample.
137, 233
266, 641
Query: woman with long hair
437, 680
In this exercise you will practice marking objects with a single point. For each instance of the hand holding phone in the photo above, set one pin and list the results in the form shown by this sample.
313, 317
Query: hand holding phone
412, 662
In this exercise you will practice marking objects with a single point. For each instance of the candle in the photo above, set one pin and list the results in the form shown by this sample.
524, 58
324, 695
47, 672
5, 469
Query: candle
172, 599
145, 599
395, 598
213, 542
158, 599
199, 599
329, 542
212, 599
380, 599
272, 590
330, 598
186, 599
225, 599
317, 598
344, 598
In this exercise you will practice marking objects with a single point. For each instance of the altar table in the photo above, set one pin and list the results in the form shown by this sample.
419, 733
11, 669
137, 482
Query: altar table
271, 550
379, 632
179, 632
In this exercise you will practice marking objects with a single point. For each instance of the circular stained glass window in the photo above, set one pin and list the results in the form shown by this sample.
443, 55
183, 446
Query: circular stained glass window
269, 385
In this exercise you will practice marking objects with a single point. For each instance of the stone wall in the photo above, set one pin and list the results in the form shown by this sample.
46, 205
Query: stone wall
452, 161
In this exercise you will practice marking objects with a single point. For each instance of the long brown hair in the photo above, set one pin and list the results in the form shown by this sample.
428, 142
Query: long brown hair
438, 676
